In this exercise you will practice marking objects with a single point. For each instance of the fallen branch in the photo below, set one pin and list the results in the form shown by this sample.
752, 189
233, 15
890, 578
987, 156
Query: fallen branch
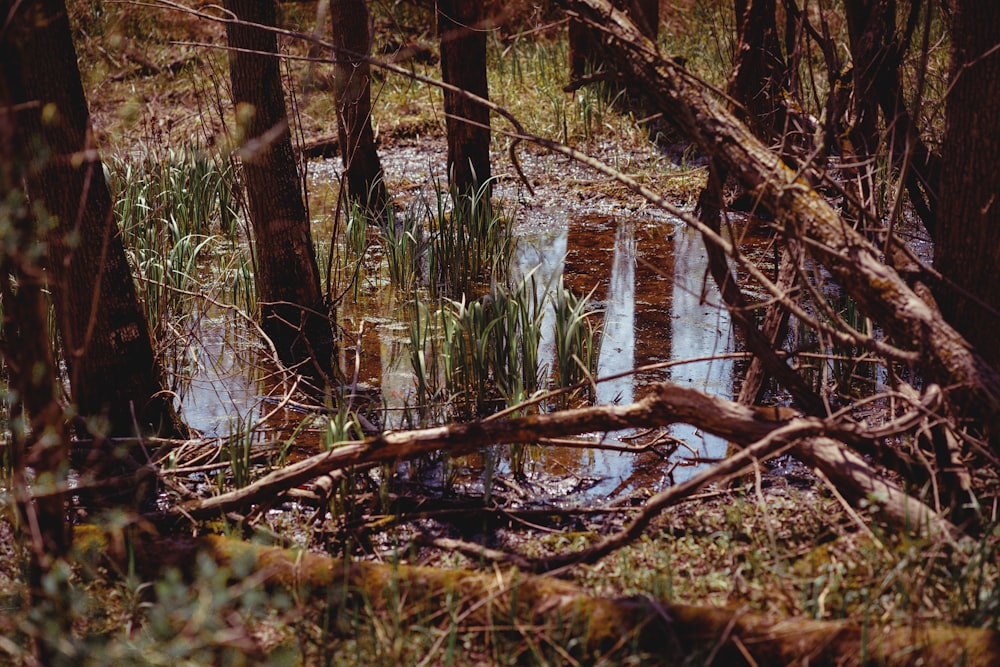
666, 404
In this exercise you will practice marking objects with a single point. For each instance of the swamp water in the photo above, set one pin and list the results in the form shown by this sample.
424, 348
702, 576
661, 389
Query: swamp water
648, 280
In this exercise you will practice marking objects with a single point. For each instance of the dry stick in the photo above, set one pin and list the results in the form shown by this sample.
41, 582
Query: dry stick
759, 342
771, 445
473, 550
849, 473
666, 404
847, 254
774, 318
519, 135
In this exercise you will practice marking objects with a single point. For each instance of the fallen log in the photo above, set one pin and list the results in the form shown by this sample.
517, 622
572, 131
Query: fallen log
799, 211
548, 607
666, 404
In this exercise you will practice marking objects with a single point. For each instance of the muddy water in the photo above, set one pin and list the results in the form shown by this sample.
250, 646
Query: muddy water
648, 276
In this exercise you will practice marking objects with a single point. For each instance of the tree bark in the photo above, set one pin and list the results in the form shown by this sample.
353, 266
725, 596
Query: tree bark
37, 426
967, 244
293, 313
760, 70
585, 44
877, 54
114, 376
667, 404
352, 36
462, 33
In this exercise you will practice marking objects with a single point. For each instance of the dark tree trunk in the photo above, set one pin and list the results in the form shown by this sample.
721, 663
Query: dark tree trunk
112, 370
41, 440
463, 64
293, 313
352, 33
585, 43
877, 53
967, 242
855, 263
760, 70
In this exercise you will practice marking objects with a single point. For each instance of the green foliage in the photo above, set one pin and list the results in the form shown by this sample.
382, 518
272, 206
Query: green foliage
167, 206
405, 250
575, 339
468, 244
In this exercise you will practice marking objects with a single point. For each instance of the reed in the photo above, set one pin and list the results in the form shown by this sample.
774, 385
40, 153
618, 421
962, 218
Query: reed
576, 339
468, 244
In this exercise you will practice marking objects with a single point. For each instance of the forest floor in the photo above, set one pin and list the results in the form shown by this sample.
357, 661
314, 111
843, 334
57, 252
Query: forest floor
777, 541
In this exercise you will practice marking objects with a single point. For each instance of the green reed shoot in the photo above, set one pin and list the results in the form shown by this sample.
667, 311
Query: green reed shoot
167, 205
576, 339
467, 244
404, 248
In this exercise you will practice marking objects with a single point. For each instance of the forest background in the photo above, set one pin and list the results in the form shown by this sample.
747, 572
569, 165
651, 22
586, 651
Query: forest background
164, 213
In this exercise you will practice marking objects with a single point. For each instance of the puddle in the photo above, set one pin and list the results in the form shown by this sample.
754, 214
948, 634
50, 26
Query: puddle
648, 276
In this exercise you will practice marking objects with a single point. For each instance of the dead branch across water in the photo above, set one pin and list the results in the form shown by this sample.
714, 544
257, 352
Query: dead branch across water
800, 212
817, 442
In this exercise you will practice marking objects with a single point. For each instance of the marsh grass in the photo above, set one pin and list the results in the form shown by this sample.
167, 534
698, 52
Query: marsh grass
167, 204
468, 244
483, 354
405, 250
576, 340
801, 556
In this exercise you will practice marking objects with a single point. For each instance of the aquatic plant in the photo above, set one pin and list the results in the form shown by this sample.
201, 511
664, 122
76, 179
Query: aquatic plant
404, 248
468, 244
167, 205
576, 341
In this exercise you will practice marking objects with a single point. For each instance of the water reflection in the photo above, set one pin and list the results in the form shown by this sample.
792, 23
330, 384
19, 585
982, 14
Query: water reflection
699, 328
648, 274
618, 336
219, 393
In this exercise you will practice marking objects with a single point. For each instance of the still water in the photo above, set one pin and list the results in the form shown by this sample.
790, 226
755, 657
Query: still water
648, 277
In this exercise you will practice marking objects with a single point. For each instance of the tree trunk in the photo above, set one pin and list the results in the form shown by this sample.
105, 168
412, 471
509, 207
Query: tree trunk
876, 52
674, 634
967, 243
463, 64
38, 434
759, 72
352, 36
293, 313
113, 372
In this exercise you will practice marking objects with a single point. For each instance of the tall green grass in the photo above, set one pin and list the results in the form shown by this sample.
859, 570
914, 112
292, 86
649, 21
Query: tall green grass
486, 350
178, 214
576, 340
468, 244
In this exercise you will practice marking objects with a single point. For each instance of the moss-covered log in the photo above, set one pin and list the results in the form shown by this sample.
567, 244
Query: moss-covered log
558, 609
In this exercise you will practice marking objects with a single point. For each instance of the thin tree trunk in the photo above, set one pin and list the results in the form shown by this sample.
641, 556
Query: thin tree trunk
585, 43
463, 64
293, 313
352, 36
876, 53
759, 73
